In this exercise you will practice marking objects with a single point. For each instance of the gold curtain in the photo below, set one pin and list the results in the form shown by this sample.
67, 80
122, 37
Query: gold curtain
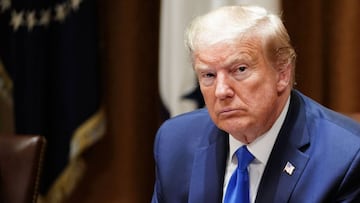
325, 34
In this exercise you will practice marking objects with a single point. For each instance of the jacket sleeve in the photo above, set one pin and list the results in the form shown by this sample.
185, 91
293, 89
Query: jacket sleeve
350, 187
156, 197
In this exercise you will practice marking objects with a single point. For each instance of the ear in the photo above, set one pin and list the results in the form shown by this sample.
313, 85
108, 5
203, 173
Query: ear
284, 77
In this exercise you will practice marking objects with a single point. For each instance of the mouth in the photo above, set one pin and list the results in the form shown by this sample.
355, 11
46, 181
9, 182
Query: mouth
227, 112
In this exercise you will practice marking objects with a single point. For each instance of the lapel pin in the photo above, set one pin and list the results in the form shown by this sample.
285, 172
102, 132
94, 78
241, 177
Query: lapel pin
289, 168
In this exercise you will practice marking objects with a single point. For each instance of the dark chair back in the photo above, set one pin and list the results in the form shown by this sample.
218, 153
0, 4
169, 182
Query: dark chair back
20, 167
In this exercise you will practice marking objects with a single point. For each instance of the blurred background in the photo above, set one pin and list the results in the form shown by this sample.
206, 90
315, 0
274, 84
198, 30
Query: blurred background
97, 79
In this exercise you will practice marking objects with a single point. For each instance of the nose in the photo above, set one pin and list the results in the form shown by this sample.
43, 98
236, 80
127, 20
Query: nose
223, 88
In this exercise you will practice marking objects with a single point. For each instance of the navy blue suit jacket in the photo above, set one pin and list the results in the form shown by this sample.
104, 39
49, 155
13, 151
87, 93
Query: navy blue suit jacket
190, 154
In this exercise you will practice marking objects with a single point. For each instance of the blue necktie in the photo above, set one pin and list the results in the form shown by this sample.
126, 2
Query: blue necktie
238, 188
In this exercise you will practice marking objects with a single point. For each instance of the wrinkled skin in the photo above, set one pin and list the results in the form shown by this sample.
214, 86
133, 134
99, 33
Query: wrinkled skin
243, 92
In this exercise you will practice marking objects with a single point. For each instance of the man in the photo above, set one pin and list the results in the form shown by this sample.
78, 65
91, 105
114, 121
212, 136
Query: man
301, 151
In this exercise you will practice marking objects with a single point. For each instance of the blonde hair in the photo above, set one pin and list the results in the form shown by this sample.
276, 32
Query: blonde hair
229, 23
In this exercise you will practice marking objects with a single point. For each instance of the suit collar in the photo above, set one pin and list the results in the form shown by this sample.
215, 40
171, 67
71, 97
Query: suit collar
208, 170
277, 184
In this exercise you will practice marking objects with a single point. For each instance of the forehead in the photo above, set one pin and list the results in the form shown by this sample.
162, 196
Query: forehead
249, 49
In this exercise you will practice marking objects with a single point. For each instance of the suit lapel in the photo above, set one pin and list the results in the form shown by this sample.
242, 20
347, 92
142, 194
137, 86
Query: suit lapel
287, 160
288, 180
281, 176
208, 169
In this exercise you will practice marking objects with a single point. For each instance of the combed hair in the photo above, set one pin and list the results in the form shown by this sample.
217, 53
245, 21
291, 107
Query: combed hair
230, 23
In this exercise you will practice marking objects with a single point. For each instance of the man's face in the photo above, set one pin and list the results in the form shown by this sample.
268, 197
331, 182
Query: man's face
244, 94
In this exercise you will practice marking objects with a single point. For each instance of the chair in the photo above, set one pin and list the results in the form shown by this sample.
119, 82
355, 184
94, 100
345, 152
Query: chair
20, 167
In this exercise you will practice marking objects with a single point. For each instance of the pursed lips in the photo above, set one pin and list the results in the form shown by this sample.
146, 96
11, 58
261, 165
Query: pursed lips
228, 111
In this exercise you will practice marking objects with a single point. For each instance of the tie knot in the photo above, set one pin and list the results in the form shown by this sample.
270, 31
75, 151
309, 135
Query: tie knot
244, 157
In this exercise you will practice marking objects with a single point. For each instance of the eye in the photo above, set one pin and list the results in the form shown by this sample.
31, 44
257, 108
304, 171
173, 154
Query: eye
241, 72
241, 68
207, 78
209, 75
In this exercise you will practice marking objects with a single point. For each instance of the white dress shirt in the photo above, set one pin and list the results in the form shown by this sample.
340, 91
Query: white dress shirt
260, 149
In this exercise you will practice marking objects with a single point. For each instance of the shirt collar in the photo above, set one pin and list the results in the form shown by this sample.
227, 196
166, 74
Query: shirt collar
262, 146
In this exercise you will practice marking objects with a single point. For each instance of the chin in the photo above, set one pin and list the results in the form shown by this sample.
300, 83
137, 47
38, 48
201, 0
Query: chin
234, 127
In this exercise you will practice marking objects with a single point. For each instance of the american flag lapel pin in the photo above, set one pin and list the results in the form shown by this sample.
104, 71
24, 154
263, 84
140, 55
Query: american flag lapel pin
289, 168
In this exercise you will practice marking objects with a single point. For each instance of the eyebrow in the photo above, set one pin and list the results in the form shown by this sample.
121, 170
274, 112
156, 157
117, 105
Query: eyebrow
235, 57
240, 57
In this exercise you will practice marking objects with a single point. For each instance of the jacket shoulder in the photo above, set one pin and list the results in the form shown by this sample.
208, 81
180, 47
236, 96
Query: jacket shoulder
328, 118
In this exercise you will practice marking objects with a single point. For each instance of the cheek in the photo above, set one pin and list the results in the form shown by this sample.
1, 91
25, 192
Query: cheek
207, 93
258, 84
210, 100
259, 92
